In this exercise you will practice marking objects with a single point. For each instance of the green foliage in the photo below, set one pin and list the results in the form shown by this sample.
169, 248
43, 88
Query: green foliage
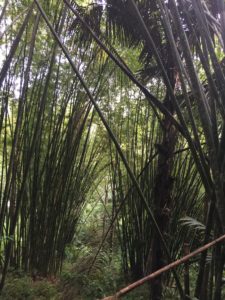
141, 293
193, 225
99, 283
21, 287
17, 288
44, 290
103, 279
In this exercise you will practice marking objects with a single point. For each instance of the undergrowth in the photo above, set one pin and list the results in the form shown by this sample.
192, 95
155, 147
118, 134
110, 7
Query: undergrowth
19, 286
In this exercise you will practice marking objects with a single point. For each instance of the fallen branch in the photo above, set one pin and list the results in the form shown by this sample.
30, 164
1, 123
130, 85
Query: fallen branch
170, 266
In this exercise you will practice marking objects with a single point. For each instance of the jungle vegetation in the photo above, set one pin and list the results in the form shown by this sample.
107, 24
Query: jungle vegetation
112, 148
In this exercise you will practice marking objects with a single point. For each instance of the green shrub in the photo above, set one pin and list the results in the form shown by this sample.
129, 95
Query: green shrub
23, 288
17, 288
44, 290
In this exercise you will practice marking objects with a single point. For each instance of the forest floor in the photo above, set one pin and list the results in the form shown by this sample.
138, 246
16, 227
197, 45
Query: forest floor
19, 286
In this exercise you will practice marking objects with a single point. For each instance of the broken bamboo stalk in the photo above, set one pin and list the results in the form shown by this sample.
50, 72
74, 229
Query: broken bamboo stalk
168, 267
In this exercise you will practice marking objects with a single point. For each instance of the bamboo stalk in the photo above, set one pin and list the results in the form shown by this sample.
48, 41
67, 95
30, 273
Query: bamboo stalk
15, 44
170, 266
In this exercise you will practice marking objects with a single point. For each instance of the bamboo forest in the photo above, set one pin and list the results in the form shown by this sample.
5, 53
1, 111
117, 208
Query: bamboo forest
112, 149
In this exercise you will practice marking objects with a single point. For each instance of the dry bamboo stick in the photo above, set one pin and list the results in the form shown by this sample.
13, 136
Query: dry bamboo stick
168, 267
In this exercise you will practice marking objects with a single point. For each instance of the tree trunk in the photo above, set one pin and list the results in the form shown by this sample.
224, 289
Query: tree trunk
163, 188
